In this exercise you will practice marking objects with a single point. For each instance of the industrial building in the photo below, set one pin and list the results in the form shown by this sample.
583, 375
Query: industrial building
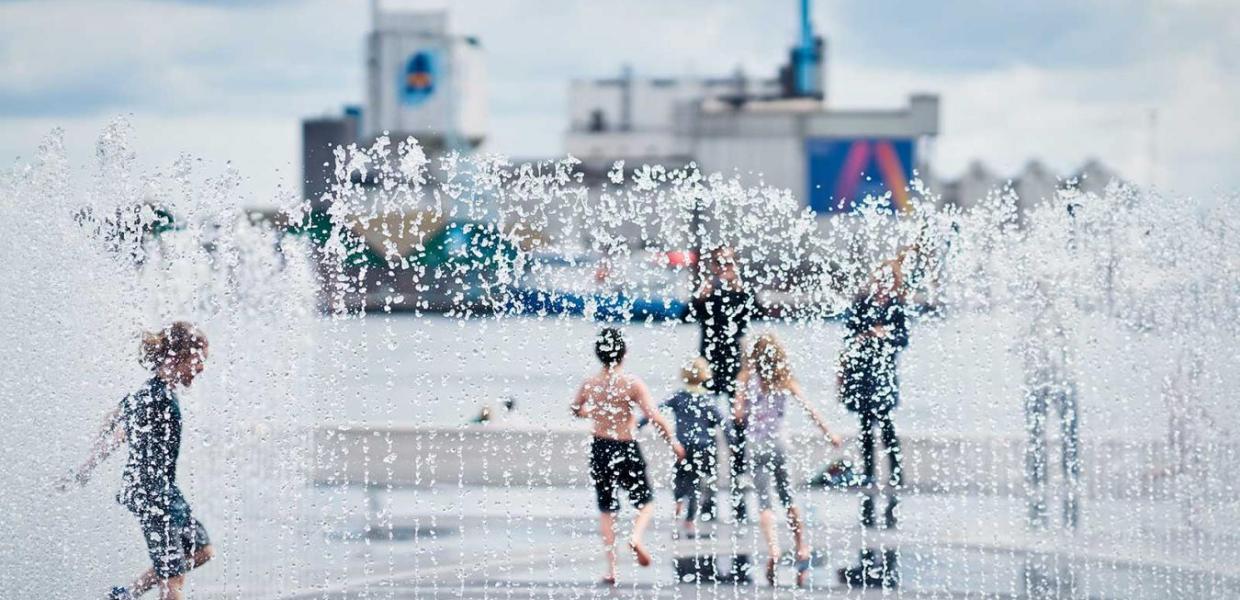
781, 131
422, 80
426, 81
757, 128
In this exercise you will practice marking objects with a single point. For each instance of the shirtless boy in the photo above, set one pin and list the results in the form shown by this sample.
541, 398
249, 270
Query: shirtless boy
608, 399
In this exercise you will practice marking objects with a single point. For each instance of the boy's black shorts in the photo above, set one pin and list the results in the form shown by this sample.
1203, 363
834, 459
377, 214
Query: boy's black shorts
618, 464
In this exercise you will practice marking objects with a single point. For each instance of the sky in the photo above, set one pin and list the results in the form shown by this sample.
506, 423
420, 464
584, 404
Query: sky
1150, 87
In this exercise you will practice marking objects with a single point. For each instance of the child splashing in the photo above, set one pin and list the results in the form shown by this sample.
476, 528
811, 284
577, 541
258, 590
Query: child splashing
608, 398
149, 421
698, 421
766, 386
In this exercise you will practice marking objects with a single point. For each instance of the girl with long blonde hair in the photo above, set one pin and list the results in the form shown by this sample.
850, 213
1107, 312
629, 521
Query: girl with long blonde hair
765, 388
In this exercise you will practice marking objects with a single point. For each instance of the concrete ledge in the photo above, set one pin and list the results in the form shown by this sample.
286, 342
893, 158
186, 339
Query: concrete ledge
483, 455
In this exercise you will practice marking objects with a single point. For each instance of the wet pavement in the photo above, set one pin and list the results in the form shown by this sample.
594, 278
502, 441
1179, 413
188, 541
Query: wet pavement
492, 542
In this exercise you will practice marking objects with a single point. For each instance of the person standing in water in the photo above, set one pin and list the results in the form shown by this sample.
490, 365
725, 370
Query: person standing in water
698, 421
723, 307
766, 387
869, 386
1044, 352
608, 399
149, 422
1192, 434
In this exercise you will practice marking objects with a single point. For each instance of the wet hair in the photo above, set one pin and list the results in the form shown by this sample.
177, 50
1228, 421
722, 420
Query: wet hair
695, 372
173, 344
609, 348
769, 362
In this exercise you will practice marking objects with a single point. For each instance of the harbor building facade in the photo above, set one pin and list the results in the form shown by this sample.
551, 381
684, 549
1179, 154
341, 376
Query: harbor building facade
780, 131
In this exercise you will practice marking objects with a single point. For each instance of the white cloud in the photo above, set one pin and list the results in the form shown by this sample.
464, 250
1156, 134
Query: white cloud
231, 82
1065, 116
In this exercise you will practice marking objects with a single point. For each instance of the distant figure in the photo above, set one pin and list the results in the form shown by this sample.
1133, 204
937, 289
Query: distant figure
698, 422
869, 383
608, 399
723, 306
149, 421
869, 386
766, 389
489, 415
1044, 351
1190, 433
484, 416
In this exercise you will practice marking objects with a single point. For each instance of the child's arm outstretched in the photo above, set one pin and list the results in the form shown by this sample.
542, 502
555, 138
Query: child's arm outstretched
110, 437
641, 395
795, 388
642, 422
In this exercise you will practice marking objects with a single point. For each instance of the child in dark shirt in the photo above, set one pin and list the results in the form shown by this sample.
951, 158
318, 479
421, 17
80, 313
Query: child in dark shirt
149, 423
697, 419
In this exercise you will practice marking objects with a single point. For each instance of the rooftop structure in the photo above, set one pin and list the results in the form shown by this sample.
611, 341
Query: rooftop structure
779, 131
424, 81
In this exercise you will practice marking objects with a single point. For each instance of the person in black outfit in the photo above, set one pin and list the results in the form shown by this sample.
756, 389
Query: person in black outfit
723, 307
149, 421
877, 330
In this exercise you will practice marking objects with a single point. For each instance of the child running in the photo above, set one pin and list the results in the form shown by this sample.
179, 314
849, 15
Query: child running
698, 421
765, 387
149, 420
608, 398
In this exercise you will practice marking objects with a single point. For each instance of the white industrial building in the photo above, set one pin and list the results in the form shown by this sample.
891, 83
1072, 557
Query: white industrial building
740, 125
779, 131
637, 117
424, 81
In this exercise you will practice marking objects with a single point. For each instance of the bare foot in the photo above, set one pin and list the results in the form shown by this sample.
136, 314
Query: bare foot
608, 581
643, 557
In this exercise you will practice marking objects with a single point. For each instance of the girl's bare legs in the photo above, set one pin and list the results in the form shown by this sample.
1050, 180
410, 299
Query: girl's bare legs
644, 514
798, 532
766, 522
798, 538
607, 527
170, 589
143, 583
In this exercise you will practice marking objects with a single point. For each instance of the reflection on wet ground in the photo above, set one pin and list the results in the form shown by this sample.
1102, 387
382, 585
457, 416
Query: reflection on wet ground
522, 543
